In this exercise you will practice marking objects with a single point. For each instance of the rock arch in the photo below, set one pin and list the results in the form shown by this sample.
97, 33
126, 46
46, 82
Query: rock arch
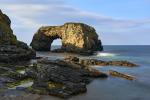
76, 37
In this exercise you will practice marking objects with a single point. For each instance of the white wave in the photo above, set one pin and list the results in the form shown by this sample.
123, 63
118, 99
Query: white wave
104, 54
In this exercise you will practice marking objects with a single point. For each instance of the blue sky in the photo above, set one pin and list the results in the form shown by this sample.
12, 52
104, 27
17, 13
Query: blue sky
118, 22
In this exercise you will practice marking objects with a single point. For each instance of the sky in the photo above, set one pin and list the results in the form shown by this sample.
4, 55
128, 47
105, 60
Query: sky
117, 22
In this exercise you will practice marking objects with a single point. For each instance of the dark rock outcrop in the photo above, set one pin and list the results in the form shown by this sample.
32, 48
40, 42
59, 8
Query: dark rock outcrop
76, 37
50, 77
11, 53
60, 78
10, 48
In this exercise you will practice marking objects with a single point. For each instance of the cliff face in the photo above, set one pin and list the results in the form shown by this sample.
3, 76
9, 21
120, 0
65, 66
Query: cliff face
76, 37
10, 48
6, 33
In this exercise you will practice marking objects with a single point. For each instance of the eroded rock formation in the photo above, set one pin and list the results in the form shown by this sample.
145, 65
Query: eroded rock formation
76, 37
10, 48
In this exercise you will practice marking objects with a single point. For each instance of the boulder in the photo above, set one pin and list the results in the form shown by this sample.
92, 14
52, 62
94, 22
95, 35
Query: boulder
76, 38
10, 48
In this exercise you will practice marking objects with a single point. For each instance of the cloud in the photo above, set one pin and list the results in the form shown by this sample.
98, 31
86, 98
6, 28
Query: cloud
28, 16
23, 13
40, 12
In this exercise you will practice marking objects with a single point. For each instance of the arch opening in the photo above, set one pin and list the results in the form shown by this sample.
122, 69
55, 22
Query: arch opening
56, 44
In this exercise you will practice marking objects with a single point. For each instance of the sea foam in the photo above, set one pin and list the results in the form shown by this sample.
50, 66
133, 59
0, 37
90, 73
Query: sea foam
104, 54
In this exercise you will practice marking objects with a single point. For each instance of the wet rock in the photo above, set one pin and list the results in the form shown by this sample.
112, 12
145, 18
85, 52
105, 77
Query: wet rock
10, 53
4, 79
10, 74
60, 78
20, 96
76, 38
122, 63
118, 74
15, 75
80, 67
100, 62
72, 58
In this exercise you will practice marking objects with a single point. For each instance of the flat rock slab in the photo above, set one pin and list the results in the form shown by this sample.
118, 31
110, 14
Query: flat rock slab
88, 62
118, 74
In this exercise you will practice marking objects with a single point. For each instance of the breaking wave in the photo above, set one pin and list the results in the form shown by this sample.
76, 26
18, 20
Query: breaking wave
104, 54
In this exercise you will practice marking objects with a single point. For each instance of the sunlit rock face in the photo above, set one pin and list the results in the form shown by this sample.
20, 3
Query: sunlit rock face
76, 37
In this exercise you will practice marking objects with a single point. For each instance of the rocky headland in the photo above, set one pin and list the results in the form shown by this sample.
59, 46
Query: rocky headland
62, 78
76, 38
12, 50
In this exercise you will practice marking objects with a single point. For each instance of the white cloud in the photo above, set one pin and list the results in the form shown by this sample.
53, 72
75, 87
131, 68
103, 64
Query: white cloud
27, 12
23, 13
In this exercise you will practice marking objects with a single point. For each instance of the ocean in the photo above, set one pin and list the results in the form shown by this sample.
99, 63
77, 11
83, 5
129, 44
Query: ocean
114, 88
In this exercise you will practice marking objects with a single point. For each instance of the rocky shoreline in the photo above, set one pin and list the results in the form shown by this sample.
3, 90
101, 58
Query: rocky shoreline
61, 78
